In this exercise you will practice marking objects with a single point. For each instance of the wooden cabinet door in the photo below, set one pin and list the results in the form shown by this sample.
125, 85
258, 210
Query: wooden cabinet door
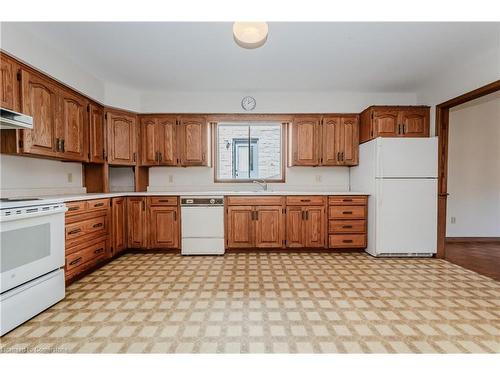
119, 227
150, 141
136, 222
167, 135
415, 123
295, 235
39, 100
269, 226
121, 138
193, 131
304, 145
385, 123
163, 227
331, 141
240, 226
8, 84
315, 226
349, 140
97, 134
71, 126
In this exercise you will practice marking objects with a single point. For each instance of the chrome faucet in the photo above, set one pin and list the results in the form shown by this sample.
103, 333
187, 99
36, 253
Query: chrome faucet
261, 183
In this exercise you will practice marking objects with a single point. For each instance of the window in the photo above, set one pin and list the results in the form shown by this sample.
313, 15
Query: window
247, 151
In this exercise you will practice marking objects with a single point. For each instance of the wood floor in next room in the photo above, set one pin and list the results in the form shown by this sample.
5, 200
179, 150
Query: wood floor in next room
480, 256
270, 302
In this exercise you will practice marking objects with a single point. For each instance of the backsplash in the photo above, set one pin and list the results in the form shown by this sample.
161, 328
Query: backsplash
202, 178
22, 176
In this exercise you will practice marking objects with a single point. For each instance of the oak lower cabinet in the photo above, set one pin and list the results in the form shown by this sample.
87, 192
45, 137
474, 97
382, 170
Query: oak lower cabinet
394, 121
255, 222
163, 223
87, 235
119, 225
305, 221
347, 222
136, 222
121, 137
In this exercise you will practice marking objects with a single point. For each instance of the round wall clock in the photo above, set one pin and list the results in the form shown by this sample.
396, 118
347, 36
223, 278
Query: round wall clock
248, 103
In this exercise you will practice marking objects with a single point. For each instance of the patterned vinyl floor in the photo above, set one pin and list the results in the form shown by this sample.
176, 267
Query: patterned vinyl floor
270, 302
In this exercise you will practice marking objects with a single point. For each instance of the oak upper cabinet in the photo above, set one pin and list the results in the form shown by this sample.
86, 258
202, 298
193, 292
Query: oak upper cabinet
303, 141
9, 97
194, 141
159, 140
121, 137
71, 128
306, 221
39, 99
340, 136
240, 228
136, 222
394, 121
163, 227
119, 224
97, 134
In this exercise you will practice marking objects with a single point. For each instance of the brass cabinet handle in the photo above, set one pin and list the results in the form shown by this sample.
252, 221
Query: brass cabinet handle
98, 225
75, 231
98, 251
175, 215
160, 157
305, 200
307, 215
404, 128
163, 200
62, 144
143, 205
399, 128
342, 155
133, 157
73, 208
303, 214
347, 212
76, 261
346, 200
57, 144
347, 226
99, 204
347, 241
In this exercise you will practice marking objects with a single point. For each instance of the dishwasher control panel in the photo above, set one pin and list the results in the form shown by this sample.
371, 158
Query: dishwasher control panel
202, 201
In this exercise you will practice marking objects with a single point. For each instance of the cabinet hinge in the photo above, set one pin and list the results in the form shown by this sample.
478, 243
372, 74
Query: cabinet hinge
284, 210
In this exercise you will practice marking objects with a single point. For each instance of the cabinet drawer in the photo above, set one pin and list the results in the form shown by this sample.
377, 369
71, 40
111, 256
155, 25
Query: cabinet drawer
254, 201
350, 200
346, 226
162, 201
98, 204
305, 200
76, 207
75, 230
95, 225
85, 255
346, 212
342, 241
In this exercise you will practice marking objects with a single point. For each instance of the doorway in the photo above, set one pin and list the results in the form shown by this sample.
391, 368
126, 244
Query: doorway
469, 170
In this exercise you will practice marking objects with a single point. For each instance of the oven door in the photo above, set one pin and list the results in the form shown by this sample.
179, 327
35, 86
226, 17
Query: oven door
32, 244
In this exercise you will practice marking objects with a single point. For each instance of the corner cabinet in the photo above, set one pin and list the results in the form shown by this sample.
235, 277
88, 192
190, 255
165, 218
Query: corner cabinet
394, 121
329, 140
121, 137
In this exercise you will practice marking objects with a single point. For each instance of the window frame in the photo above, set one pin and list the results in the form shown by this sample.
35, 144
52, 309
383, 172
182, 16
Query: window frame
215, 147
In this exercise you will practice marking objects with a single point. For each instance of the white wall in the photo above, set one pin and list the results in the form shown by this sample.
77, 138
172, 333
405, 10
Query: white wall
474, 169
121, 179
467, 74
202, 178
22, 176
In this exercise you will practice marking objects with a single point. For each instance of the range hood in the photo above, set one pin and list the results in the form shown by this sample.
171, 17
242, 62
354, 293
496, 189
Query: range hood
13, 120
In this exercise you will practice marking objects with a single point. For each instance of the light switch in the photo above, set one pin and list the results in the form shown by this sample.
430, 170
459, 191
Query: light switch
170, 178
70, 177
319, 178
453, 220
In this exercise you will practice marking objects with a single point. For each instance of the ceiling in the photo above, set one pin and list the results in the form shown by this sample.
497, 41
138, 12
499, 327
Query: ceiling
202, 56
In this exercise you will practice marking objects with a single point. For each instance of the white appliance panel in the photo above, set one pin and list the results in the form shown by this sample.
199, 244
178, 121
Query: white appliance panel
23, 303
203, 221
406, 216
406, 157
203, 246
32, 244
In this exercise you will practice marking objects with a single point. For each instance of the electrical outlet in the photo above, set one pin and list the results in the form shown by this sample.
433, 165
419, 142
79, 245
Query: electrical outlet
70, 177
453, 220
170, 178
319, 178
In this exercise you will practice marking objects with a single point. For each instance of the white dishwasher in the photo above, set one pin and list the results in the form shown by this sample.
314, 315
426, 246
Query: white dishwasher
202, 227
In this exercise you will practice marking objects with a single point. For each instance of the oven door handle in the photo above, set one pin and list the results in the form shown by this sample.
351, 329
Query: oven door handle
28, 215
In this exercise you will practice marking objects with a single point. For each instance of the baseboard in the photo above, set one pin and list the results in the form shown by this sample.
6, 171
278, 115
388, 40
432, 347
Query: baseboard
472, 239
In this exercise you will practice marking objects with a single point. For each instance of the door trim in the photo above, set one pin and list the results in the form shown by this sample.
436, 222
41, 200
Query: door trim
442, 132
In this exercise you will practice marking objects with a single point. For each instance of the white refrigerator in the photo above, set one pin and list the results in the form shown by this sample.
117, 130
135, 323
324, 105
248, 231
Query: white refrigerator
400, 174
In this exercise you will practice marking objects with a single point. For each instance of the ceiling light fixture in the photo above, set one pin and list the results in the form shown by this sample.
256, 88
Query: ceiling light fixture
250, 35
